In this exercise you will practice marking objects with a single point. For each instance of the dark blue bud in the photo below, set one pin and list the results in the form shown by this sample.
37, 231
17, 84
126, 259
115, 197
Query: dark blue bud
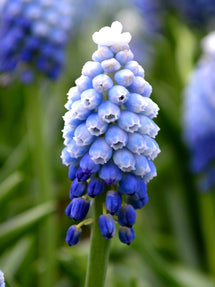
88, 166
72, 172
127, 216
113, 201
81, 175
107, 226
138, 203
110, 173
77, 188
141, 189
77, 209
95, 187
126, 235
73, 235
128, 184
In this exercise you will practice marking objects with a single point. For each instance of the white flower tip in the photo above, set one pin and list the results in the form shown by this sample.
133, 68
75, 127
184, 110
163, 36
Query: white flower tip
113, 35
208, 43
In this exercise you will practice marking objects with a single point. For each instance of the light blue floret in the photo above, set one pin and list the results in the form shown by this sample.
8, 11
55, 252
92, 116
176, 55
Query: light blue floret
75, 150
124, 77
148, 90
92, 69
78, 111
151, 108
129, 121
108, 112
116, 137
136, 143
124, 56
110, 65
141, 165
136, 103
67, 159
69, 119
102, 83
82, 136
141, 71
133, 66
151, 148
91, 99
103, 53
74, 94
118, 94
83, 83
138, 85
100, 152
124, 159
150, 174
148, 126
95, 125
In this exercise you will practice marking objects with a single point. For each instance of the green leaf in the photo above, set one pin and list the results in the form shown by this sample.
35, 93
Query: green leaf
8, 185
23, 221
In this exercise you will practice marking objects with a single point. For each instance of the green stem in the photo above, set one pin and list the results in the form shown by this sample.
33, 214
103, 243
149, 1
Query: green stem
99, 250
42, 172
208, 228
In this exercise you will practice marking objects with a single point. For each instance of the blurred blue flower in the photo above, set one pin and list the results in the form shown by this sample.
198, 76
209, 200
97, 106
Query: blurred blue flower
198, 13
199, 116
2, 283
33, 35
108, 132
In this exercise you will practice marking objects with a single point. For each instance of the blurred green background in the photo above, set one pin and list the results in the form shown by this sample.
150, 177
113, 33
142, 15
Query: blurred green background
174, 244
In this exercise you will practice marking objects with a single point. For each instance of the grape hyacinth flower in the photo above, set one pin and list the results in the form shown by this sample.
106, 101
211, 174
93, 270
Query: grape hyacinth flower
199, 117
33, 35
2, 283
198, 13
109, 136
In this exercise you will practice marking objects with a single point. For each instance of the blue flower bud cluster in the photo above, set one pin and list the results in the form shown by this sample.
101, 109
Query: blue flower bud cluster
198, 13
199, 121
152, 14
2, 283
33, 35
109, 137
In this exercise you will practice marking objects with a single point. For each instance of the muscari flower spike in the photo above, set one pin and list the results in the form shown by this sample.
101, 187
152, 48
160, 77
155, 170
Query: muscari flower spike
2, 283
33, 35
199, 117
109, 136
197, 13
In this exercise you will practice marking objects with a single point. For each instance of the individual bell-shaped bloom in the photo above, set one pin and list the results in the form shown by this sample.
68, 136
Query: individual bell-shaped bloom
77, 209
102, 83
83, 83
128, 184
116, 137
96, 126
138, 203
148, 127
91, 99
127, 216
103, 53
110, 173
88, 166
108, 112
129, 121
82, 136
124, 159
124, 77
73, 235
107, 226
72, 172
95, 187
126, 234
118, 94
113, 201
110, 65
100, 152
138, 85
92, 69
77, 188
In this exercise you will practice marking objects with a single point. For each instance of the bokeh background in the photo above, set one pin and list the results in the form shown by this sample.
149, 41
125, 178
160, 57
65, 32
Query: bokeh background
175, 231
